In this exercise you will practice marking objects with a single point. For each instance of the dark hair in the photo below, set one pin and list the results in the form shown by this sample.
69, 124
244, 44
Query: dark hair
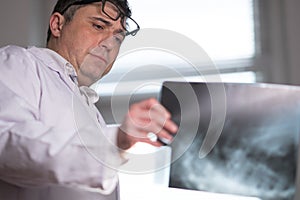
63, 7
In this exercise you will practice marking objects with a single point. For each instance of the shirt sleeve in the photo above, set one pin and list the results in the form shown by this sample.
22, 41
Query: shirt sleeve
34, 154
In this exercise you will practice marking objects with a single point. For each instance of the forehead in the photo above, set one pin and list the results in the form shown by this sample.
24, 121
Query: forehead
97, 8
96, 11
110, 8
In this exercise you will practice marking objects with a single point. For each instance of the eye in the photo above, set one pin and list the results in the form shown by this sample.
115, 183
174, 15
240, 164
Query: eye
98, 26
119, 37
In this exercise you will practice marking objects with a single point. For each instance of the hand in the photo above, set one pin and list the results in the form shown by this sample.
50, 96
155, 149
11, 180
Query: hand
145, 117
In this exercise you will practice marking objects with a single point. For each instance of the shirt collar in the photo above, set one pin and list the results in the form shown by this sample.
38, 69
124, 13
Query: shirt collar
90, 94
57, 63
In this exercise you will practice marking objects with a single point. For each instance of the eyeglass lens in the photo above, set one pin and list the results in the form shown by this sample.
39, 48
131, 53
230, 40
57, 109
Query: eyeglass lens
113, 12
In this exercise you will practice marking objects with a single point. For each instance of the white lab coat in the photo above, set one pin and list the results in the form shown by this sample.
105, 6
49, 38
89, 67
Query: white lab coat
53, 140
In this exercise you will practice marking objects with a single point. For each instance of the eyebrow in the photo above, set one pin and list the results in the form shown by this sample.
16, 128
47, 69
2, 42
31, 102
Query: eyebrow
102, 20
108, 24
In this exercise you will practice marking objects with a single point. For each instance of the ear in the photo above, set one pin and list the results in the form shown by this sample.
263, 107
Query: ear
56, 24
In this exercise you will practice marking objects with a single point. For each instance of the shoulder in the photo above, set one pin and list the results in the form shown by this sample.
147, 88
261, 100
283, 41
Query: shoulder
12, 50
19, 70
15, 58
13, 54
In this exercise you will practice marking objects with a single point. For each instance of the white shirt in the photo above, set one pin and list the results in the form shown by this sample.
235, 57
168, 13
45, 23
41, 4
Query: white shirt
51, 133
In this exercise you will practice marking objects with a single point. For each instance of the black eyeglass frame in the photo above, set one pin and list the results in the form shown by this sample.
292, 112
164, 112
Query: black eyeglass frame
121, 14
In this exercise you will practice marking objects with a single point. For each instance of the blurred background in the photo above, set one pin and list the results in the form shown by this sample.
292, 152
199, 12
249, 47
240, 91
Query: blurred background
248, 40
259, 36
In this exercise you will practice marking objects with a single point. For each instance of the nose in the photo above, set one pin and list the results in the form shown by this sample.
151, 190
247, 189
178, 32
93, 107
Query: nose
109, 42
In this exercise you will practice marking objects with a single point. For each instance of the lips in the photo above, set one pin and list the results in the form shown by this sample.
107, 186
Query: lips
99, 57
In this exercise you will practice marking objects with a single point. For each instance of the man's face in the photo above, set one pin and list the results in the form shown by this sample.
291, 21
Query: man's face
91, 42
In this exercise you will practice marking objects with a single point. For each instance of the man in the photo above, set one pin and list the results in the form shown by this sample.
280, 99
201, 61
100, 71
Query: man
53, 140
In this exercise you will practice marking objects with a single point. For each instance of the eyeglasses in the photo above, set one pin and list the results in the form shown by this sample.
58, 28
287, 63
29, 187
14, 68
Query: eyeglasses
129, 24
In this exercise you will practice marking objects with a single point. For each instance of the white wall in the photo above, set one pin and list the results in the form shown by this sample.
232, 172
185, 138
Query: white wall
24, 22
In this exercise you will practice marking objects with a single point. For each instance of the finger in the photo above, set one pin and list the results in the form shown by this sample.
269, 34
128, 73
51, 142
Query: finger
157, 120
154, 140
138, 117
138, 110
148, 108
150, 138
148, 103
160, 133
171, 126
157, 139
165, 137
143, 110
144, 118
154, 126
160, 110
154, 106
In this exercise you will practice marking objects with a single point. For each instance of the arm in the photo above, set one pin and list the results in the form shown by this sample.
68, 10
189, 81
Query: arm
26, 145
35, 153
